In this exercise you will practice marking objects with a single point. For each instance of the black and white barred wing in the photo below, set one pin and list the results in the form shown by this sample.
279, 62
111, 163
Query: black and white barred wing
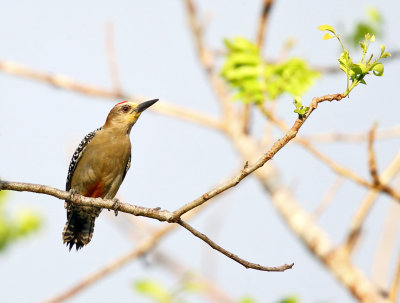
77, 156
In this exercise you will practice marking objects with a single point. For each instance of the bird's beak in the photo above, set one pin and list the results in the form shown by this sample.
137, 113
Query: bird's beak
144, 105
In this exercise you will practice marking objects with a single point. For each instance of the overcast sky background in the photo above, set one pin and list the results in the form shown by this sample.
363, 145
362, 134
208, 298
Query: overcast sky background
173, 161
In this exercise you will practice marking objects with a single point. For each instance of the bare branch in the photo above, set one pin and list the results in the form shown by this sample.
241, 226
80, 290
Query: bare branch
68, 83
381, 134
154, 213
337, 168
143, 248
382, 267
310, 234
247, 170
262, 24
368, 201
328, 197
231, 255
210, 289
371, 155
394, 288
206, 59
111, 56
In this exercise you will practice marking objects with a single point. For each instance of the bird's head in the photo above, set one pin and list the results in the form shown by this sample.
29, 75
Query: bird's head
126, 113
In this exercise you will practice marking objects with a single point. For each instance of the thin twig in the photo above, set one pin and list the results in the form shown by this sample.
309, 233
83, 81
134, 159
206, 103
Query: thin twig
385, 247
381, 134
231, 255
367, 203
371, 156
248, 169
210, 288
394, 288
302, 225
67, 83
263, 21
154, 213
337, 168
143, 248
328, 197
207, 61
111, 56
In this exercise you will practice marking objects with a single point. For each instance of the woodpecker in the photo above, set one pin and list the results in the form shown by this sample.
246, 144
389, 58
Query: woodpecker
97, 169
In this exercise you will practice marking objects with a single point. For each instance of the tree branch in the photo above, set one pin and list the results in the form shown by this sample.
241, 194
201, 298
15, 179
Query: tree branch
339, 169
304, 226
206, 59
371, 156
381, 134
394, 288
111, 56
68, 83
262, 24
229, 254
247, 170
144, 247
368, 201
154, 213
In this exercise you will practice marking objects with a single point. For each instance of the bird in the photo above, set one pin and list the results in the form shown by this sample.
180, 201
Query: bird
97, 169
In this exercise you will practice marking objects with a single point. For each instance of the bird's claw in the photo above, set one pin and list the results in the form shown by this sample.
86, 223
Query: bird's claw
68, 203
116, 205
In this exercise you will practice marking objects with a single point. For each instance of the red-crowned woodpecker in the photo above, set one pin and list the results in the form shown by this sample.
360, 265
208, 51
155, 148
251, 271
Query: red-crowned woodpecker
98, 167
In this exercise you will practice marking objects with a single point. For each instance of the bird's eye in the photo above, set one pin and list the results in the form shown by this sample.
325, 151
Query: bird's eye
126, 108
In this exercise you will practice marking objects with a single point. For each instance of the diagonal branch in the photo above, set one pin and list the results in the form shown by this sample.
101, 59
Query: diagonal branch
381, 134
247, 170
337, 168
154, 213
394, 288
371, 156
305, 228
67, 83
207, 61
229, 254
111, 56
262, 24
366, 205
144, 247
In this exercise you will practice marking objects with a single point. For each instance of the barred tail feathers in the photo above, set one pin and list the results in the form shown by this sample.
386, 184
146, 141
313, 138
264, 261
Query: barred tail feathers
79, 228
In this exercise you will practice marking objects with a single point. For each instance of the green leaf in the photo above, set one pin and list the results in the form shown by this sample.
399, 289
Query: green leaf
374, 15
326, 27
378, 69
153, 290
300, 109
193, 286
247, 300
290, 299
372, 38
363, 47
12, 228
327, 36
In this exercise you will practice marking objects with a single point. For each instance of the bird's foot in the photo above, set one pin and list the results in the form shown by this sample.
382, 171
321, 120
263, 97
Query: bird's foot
68, 203
116, 206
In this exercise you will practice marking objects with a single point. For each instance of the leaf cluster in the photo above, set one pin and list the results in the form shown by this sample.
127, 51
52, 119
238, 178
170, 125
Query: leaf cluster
23, 223
255, 80
356, 72
159, 293
372, 25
